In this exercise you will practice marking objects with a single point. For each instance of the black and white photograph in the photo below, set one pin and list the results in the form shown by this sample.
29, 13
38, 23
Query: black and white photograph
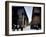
24, 18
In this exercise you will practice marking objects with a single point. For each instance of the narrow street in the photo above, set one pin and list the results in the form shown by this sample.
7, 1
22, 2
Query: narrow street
26, 28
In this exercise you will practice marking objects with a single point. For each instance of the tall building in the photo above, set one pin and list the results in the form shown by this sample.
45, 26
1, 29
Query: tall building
36, 18
19, 17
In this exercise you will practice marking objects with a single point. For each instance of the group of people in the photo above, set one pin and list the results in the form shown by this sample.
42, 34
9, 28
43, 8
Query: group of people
17, 27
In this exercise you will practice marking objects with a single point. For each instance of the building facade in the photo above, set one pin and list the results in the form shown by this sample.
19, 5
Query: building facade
36, 18
19, 18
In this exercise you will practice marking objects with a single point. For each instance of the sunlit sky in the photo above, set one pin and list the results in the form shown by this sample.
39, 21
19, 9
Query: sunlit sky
28, 10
